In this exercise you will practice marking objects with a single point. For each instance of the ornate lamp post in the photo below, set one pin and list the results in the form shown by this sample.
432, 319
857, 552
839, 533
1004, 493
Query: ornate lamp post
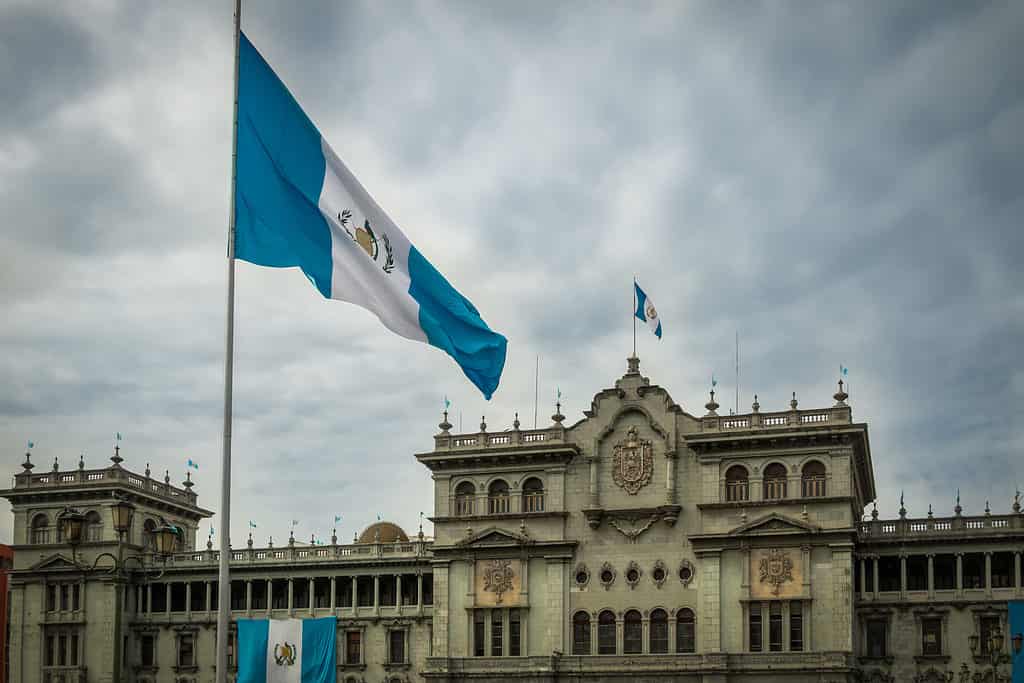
994, 650
71, 523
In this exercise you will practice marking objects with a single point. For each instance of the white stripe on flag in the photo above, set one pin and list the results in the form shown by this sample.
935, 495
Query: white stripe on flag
284, 634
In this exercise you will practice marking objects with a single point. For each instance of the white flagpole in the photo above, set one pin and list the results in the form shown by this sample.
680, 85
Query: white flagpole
224, 575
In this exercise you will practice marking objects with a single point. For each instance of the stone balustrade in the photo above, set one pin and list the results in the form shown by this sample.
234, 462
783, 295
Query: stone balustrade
304, 554
515, 437
81, 478
837, 415
940, 527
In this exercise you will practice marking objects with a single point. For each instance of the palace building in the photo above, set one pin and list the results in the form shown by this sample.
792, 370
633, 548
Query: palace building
645, 542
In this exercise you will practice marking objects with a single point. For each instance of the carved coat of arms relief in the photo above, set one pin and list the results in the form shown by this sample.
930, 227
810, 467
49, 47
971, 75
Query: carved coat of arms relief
776, 569
632, 462
498, 575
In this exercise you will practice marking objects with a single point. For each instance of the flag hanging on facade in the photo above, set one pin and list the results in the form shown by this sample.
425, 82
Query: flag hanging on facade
287, 650
297, 204
646, 311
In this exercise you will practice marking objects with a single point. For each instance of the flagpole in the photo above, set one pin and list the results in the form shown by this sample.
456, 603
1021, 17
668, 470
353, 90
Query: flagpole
632, 314
224, 573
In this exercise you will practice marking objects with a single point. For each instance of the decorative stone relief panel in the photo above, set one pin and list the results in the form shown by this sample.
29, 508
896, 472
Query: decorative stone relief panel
632, 462
498, 582
779, 572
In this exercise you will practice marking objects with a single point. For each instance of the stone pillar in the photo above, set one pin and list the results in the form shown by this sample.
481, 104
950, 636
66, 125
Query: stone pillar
398, 591
670, 483
710, 623
419, 593
988, 574
645, 632
270, 595
1018, 580
248, 597
291, 596
188, 599
441, 611
619, 628
355, 594
334, 593
312, 596
959, 575
931, 575
903, 577
209, 597
376, 593
842, 599
863, 577
167, 599
555, 613
594, 499
874, 575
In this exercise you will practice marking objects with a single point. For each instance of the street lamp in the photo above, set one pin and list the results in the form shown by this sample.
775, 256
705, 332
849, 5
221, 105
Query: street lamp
122, 512
70, 523
994, 650
1017, 640
167, 538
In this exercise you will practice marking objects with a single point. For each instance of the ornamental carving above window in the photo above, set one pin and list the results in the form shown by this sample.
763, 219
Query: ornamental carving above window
498, 577
776, 569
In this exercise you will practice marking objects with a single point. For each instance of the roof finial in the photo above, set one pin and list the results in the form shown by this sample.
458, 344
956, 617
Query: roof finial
903, 510
633, 365
712, 405
249, 542
929, 511
270, 542
515, 423
874, 509
558, 417
988, 511
167, 477
116, 457
28, 460
958, 509
840, 396
56, 466
334, 537
444, 424
209, 542
1016, 502
756, 407
483, 423
793, 403
147, 470
188, 481
291, 537
81, 461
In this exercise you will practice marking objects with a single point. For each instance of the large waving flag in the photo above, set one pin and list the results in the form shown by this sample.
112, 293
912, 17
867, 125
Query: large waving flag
287, 650
646, 311
297, 204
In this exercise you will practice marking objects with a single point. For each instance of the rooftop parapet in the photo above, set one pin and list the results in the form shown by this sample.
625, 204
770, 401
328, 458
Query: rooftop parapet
838, 414
938, 528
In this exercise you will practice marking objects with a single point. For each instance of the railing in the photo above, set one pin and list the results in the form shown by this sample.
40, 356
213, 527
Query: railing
533, 502
499, 504
737, 490
304, 554
463, 506
943, 526
500, 439
102, 476
839, 414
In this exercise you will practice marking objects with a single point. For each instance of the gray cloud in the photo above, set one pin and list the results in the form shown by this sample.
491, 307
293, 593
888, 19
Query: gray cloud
838, 182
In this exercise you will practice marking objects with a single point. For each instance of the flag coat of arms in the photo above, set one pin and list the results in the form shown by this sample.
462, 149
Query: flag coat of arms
287, 650
297, 204
646, 311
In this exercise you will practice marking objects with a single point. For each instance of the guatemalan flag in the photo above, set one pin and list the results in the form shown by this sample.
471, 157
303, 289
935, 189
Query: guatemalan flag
287, 650
297, 204
646, 311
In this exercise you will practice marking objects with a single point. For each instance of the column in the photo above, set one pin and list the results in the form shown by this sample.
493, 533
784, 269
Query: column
619, 633
248, 597
842, 599
903, 577
710, 620
988, 574
209, 596
355, 593
419, 593
376, 593
270, 595
441, 611
645, 633
312, 596
593, 480
1017, 579
670, 488
398, 592
167, 602
863, 578
188, 599
959, 575
291, 596
874, 575
931, 575
555, 614
334, 593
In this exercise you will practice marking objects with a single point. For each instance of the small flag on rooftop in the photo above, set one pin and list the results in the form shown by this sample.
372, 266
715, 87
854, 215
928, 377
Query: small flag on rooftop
31, 444
193, 464
337, 518
118, 436
843, 370
252, 524
646, 311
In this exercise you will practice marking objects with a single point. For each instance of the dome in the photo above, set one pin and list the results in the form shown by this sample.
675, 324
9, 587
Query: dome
383, 532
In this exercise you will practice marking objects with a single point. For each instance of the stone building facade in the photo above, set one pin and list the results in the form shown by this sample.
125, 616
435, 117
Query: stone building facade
643, 542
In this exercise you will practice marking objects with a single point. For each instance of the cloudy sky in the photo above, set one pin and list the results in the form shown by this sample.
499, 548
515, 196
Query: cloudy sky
836, 182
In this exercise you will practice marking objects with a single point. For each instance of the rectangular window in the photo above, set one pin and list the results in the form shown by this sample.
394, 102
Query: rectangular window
237, 596
186, 650
51, 598
876, 638
159, 598
198, 596
396, 653
478, 634
796, 626
343, 591
147, 650
428, 589
62, 644
65, 602
76, 597
513, 633
987, 625
279, 594
178, 591
73, 650
775, 627
497, 632
755, 627
321, 592
353, 647
232, 644
51, 650
931, 636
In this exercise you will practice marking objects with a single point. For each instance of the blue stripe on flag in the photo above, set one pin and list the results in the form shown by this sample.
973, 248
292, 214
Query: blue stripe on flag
657, 332
253, 636
453, 324
318, 650
640, 299
280, 175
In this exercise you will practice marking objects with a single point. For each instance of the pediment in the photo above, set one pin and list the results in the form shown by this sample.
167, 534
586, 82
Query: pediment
54, 562
494, 537
774, 524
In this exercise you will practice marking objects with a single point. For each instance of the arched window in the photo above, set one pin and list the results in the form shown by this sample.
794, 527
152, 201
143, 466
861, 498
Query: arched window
533, 495
632, 633
581, 633
737, 484
40, 532
812, 480
774, 481
465, 492
686, 640
497, 497
606, 633
659, 632
93, 526
149, 535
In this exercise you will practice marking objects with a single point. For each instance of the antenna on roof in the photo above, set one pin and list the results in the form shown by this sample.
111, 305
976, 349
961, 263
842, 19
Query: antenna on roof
536, 384
737, 408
